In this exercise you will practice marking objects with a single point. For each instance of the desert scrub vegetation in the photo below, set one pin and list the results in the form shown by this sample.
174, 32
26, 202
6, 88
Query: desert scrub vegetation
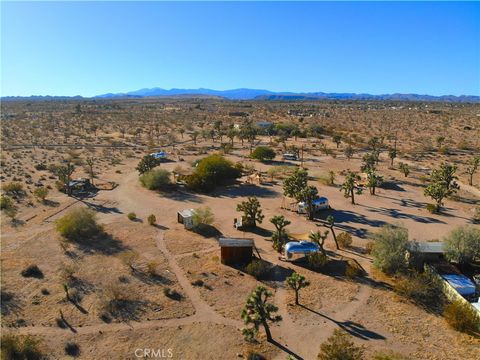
32, 271
158, 179
152, 220
79, 224
344, 240
131, 216
119, 301
462, 245
424, 289
389, 247
462, 317
263, 153
211, 171
20, 347
339, 346
257, 268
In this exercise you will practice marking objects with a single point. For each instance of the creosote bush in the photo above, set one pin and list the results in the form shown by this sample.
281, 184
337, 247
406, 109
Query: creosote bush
344, 240
462, 317
152, 220
79, 224
158, 179
424, 289
20, 347
256, 268
339, 346
131, 216
317, 260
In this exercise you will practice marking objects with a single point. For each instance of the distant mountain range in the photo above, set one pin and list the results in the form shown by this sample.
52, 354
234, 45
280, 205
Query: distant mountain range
255, 94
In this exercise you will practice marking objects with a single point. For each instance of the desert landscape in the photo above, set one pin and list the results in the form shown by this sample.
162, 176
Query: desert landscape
96, 264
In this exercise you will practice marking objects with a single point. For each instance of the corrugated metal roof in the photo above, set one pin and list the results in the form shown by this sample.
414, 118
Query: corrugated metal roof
186, 213
235, 242
461, 283
437, 247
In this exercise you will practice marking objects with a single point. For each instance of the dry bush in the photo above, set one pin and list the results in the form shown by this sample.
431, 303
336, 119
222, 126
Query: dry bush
462, 317
344, 239
20, 347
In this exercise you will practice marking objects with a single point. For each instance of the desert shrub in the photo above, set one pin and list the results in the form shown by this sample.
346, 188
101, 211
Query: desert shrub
198, 282
431, 208
256, 268
389, 249
388, 356
172, 294
263, 153
152, 268
13, 188
424, 289
72, 349
32, 271
317, 260
211, 171
476, 215
79, 224
462, 244
202, 216
152, 220
131, 216
462, 317
352, 270
339, 346
8, 206
369, 247
20, 347
344, 239
119, 301
40, 166
41, 193
255, 356
155, 179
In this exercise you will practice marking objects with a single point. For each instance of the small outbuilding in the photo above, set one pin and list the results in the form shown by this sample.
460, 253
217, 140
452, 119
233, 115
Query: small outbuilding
295, 250
235, 250
161, 155
185, 217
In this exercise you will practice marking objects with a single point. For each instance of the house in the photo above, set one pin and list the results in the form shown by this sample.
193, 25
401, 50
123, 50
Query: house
319, 204
235, 250
295, 250
420, 253
185, 217
78, 186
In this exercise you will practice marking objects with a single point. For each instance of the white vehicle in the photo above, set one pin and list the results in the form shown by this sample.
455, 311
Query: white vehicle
290, 156
319, 204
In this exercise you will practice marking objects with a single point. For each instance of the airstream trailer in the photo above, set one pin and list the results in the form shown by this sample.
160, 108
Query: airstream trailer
295, 250
319, 204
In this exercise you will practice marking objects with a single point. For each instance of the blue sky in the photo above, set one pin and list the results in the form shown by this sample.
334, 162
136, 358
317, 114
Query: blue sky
92, 48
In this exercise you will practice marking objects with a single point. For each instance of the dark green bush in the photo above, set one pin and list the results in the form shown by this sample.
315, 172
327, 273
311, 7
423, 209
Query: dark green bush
256, 268
212, 171
462, 317
263, 153
78, 224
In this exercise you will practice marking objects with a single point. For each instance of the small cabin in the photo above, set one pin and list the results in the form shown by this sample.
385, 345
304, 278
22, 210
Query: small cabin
420, 253
295, 250
185, 217
235, 250
318, 204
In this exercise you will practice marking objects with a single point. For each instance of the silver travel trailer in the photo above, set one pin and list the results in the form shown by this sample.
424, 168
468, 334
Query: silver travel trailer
295, 250
319, 204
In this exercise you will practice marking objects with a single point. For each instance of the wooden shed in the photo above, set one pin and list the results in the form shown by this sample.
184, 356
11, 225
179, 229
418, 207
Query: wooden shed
235, 250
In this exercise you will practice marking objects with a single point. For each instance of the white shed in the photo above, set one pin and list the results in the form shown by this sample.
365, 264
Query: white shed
185, 217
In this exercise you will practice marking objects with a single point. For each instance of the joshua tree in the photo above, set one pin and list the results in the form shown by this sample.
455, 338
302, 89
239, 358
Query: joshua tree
349, 152
297, 282
331, 177
231, 134
279, 236
294, 184
472, 168
258, 311
64, 174
349, 187
337, 139
252, 211
446, 175
392, 154
308, 196
318, 238
194, 136
405, 169
369, 161
147, 163
90, 162
181, 131
373, 181
330, 223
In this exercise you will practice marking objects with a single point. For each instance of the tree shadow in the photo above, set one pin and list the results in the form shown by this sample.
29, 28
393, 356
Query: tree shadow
285, 349
207, 231
102, 208
104, 244
242, 190
152, 279
393, 213
161, 227
51, 203
257, 231
391, 185
352, 328
179, 195
64, 324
